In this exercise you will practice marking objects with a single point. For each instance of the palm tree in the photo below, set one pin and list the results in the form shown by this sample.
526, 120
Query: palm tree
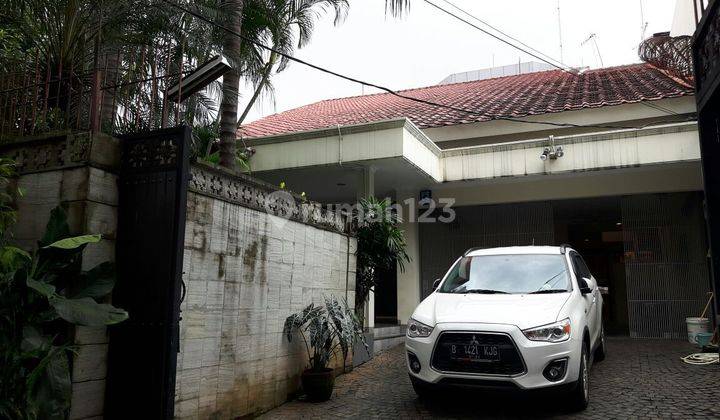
228, 114
232, 49
286, 19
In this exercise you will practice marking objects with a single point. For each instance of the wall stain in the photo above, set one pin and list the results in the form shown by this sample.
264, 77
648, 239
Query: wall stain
256, 251
249, 258
221, 266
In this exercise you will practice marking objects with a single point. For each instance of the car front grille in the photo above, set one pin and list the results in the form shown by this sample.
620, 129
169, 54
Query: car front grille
510, 362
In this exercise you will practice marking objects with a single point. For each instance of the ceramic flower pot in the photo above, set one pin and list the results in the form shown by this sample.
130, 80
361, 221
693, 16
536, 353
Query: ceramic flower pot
318, 385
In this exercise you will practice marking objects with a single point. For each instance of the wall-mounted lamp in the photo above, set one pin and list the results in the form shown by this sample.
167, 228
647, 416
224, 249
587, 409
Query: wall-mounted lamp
198, 78
551, 152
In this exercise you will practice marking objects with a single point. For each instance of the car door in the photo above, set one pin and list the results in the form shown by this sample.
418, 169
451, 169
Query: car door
592, 306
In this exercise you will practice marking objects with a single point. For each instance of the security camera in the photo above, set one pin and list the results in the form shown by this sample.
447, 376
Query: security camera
545, 154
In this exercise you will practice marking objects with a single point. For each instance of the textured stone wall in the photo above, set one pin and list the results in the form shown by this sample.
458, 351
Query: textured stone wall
75, 172
245, 272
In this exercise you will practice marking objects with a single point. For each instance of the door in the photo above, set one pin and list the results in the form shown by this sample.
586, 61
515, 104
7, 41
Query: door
592, 306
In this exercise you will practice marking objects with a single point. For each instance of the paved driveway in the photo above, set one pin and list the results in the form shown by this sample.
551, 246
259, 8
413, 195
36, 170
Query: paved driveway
639, 379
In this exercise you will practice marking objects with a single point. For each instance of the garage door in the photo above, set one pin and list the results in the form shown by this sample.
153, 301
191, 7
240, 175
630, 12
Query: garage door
665, 262
481, 226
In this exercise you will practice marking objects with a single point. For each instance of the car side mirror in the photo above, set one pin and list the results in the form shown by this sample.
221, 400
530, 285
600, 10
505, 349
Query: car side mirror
584, 284
436, 284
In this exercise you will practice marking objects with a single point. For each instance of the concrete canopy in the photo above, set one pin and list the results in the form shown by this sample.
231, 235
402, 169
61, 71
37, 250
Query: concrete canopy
336, 165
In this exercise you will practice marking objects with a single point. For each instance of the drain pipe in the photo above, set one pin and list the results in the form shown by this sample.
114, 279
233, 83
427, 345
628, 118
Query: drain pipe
340, 144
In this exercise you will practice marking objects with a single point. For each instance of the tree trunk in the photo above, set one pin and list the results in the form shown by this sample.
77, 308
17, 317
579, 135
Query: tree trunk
259, 88
109, 105
233, 9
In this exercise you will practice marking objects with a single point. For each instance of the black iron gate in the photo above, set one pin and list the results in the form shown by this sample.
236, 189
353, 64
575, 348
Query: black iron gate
151, 227
706, 57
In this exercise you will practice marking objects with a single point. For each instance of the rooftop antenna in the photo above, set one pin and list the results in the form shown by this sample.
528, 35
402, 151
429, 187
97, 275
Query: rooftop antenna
643, 22
560, 31
593, 38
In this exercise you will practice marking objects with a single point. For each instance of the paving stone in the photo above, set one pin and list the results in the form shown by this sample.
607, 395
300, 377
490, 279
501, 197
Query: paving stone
639, 379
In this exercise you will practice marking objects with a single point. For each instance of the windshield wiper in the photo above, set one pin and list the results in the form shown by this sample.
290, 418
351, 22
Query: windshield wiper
486, 291
540, 292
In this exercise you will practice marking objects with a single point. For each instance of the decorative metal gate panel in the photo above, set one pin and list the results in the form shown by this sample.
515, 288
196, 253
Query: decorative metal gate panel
151, 228
481, 226
666, 265
706, 58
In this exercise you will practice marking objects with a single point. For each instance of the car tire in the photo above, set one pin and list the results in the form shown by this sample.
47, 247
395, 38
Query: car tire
580, 395
601, 350
422, 389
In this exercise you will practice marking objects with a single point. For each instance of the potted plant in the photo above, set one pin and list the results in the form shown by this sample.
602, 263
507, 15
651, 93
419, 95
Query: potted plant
325, 331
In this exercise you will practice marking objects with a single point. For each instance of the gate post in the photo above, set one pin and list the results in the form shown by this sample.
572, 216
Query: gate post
143, 350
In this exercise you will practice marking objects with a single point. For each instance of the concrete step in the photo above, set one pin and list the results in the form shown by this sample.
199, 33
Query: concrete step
388, 336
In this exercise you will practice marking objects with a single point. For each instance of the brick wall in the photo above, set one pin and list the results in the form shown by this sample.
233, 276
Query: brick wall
76, 172
246, 271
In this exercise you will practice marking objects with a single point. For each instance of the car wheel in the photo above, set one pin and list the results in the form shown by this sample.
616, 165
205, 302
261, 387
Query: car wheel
580, 395
422, 390
600, 351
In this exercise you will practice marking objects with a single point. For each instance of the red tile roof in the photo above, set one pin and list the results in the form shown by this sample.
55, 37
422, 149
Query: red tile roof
511, 96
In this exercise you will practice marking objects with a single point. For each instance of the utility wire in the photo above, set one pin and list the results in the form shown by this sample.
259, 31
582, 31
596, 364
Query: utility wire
390, 91
454, 6
562, 67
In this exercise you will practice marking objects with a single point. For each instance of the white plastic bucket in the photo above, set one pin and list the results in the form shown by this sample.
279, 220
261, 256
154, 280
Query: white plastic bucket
695, 326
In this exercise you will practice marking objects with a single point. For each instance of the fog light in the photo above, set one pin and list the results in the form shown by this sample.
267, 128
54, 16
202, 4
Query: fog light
414, 363
555, 370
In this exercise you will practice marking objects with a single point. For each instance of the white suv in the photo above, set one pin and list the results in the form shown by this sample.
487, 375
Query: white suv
509, 318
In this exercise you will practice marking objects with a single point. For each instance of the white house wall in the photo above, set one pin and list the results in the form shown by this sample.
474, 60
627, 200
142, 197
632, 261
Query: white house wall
328, 150
424, 155
582, 153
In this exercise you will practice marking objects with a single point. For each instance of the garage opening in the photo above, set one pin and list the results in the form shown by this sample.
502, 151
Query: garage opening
594, 227
649, 250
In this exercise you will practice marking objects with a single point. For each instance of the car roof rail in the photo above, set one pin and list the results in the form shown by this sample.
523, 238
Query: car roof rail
564, 247
477, 248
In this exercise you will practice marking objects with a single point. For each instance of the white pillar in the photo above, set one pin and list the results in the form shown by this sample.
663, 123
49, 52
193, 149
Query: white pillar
366, 182
408, 281
366, 188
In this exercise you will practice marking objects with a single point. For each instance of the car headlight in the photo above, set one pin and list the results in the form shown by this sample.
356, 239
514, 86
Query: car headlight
418, 329
554, 333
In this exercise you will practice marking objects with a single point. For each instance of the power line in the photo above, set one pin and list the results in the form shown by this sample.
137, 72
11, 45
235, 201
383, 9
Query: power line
562, 67
388, 90
506, 35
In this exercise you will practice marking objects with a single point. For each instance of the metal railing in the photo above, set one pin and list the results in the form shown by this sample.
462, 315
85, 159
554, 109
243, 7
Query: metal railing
119, 90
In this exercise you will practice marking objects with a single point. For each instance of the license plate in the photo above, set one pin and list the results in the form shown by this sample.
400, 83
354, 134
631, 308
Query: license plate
474, 353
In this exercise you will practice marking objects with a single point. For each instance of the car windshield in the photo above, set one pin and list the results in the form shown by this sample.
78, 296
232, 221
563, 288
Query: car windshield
500, 274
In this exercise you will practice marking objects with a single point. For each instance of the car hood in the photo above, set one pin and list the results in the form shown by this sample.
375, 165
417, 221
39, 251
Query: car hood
524, 311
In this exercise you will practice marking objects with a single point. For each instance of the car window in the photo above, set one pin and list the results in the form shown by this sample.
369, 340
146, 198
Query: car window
581, 269
520, 273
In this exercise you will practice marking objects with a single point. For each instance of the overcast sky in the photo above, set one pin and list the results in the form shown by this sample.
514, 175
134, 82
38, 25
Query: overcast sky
426, 45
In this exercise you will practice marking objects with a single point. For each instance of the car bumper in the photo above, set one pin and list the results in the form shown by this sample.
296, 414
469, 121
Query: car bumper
536, 356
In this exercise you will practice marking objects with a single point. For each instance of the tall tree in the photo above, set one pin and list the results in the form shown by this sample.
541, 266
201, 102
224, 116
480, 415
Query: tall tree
290, 23
232, 49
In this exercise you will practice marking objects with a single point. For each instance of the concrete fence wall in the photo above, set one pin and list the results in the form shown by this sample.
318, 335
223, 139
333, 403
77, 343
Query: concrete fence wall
76, 172
245, 271
249, 262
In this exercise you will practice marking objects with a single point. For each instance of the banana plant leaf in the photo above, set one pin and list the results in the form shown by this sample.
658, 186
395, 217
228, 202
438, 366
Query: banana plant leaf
98, 282
85, 311
45, 289
56, 228
75, 242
